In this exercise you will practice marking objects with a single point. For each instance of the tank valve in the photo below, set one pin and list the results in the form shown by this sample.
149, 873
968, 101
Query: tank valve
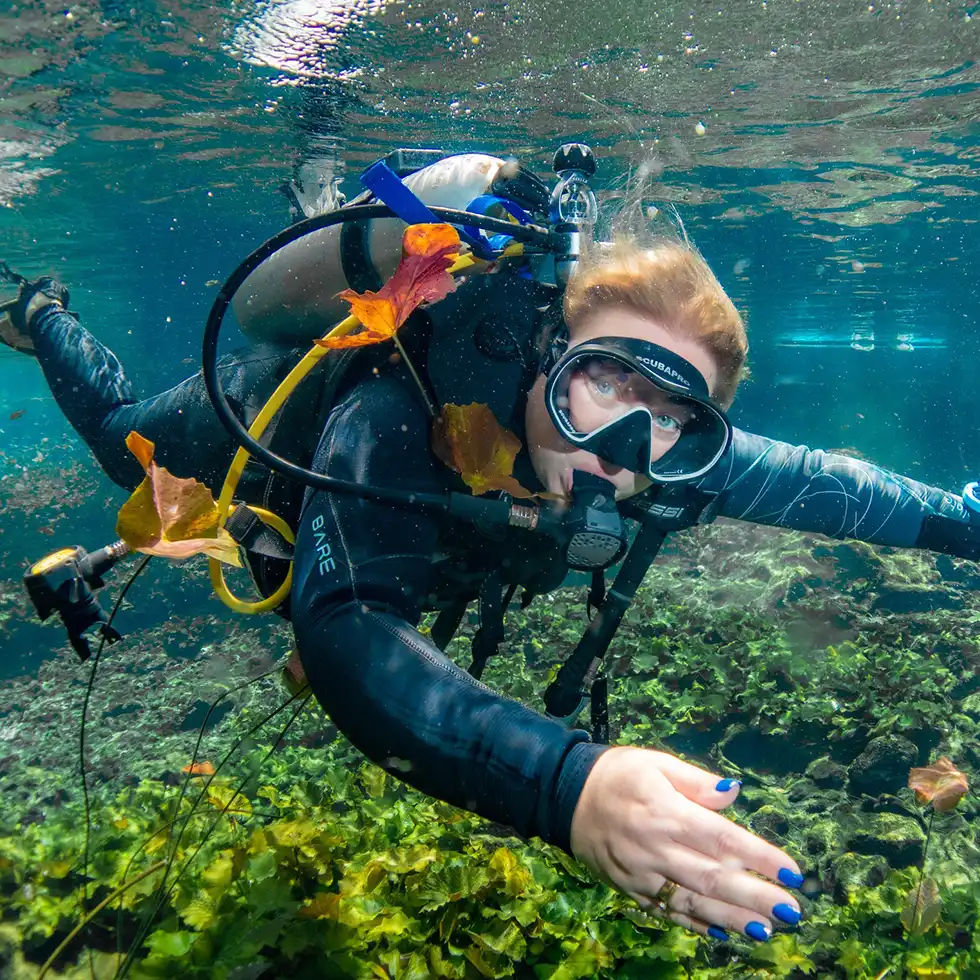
573, 204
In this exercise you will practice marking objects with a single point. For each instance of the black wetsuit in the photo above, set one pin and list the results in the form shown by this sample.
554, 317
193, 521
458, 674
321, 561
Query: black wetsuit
364, 573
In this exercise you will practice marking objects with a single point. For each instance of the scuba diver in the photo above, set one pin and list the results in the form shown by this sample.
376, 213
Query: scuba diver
614, 364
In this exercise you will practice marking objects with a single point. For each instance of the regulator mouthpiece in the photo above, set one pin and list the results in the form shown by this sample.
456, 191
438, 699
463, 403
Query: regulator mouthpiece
594, 533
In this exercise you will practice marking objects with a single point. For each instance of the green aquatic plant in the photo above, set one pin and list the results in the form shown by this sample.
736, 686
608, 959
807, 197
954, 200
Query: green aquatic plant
311, 861
355, 877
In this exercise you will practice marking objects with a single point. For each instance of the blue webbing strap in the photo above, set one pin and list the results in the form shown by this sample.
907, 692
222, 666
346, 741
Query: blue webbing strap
482, 204
389, 188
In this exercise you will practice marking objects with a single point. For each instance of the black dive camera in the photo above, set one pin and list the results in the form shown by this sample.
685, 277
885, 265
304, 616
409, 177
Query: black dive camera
65, 582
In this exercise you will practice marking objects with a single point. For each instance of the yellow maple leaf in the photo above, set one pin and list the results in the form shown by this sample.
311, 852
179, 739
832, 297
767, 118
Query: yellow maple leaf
470, 440
171, 517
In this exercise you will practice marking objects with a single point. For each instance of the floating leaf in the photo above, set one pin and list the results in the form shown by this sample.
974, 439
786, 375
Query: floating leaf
470, 440
941, 784
922, 908
172, 517
293, 675
422, 276
199, 769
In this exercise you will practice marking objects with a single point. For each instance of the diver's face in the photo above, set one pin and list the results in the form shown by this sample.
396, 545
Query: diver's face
601, 393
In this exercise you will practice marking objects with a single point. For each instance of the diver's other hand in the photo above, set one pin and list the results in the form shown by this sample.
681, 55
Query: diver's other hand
646, 816
15, 318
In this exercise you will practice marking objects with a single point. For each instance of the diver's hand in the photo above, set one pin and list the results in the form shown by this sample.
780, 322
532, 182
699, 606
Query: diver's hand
646, 816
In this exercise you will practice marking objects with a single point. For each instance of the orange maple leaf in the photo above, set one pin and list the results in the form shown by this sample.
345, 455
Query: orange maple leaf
941, 784
199, 769
470, 440
422, 276
171, 517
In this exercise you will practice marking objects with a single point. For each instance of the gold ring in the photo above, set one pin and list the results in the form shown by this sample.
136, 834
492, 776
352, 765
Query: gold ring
665, 894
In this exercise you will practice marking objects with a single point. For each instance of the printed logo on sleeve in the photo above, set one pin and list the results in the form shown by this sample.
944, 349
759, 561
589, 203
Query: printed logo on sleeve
325, 561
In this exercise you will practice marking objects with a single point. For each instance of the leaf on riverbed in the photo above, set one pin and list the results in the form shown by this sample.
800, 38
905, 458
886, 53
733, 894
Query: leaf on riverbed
941, 784
922, 908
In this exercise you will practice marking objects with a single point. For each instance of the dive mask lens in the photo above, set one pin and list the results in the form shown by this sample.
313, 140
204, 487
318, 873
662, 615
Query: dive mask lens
639, 406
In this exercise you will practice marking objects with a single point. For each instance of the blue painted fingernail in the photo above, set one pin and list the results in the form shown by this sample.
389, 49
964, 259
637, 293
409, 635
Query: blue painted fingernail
726, 784
786, 913
790, 878
716, 932
757, 931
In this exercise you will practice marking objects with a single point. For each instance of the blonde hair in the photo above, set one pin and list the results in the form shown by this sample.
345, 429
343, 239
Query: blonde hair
669, 282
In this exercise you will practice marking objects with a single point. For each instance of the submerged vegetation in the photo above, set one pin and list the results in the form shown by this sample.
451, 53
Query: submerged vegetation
817, 672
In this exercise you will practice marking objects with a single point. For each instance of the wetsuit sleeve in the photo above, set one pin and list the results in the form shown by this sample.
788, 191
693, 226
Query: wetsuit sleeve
776, 483
92, 390
360, 576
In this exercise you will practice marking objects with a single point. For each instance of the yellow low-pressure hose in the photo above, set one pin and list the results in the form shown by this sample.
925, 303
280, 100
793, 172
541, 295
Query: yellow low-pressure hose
256, 429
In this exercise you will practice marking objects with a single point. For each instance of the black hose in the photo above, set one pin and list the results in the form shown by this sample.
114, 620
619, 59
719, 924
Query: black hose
424, 502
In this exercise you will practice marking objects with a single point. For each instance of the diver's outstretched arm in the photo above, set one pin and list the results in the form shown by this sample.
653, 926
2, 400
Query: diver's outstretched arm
91, 388
359, 580
776, 483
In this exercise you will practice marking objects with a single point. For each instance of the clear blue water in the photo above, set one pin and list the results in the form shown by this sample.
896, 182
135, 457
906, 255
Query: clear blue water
823, 155
832, 187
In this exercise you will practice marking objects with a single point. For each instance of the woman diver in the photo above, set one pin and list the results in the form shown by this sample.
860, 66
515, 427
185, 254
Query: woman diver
617, 386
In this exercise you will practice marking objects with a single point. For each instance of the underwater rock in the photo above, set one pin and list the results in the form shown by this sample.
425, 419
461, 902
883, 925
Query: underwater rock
822, 838
826, 773
883, 766
851, 872
898, 598
898, 839
886, 803
801, 789
958, 570
768, 820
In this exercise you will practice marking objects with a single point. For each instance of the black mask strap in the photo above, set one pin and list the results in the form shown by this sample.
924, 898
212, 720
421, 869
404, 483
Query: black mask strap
555, 350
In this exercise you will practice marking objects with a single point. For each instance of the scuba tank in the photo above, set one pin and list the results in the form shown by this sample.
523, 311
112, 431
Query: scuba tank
291, 298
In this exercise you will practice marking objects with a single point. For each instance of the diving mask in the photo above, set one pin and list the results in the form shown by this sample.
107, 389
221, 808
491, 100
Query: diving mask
637, 405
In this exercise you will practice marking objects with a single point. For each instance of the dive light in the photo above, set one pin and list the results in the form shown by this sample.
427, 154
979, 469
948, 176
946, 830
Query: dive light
65, 583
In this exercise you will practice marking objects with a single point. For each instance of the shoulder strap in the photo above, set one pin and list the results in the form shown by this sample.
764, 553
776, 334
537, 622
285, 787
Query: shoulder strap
582, 677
